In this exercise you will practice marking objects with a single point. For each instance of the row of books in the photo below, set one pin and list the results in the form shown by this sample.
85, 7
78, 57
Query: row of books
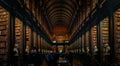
4, 18
117, 34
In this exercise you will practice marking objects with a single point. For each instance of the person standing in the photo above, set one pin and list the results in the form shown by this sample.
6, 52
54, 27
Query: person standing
49, 58
55, 56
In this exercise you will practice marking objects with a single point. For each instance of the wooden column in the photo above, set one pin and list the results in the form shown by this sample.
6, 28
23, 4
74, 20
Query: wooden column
111, 37
23, 43
90, 42
11, 37
85, 42
78, 44
99, 54
81, 42
32, 39
41, 42
37, 40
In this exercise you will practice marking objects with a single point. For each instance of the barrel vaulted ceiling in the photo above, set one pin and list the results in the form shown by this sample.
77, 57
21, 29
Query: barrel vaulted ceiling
60, 15
56, 18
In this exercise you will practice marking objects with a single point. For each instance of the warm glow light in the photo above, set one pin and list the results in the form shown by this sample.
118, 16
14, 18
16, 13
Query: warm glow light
66, 41
60, 38
60, 29
54, 41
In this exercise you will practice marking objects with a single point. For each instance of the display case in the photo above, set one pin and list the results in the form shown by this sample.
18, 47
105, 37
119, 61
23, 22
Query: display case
4, 21
117, 34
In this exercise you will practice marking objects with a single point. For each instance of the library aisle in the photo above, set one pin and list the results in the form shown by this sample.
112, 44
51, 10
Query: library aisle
60, 32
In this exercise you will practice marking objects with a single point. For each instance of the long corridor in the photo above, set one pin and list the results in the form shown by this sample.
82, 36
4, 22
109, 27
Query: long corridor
59, 32
75, 63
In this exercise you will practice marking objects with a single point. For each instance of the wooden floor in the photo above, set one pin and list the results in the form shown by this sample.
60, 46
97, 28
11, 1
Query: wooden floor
75, 63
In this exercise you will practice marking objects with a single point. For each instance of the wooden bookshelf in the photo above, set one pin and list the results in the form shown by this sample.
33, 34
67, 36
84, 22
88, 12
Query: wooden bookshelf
117, 34
104, 39
18, 33
4, 19
28, 36
94, 39
104, 33
39, 42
